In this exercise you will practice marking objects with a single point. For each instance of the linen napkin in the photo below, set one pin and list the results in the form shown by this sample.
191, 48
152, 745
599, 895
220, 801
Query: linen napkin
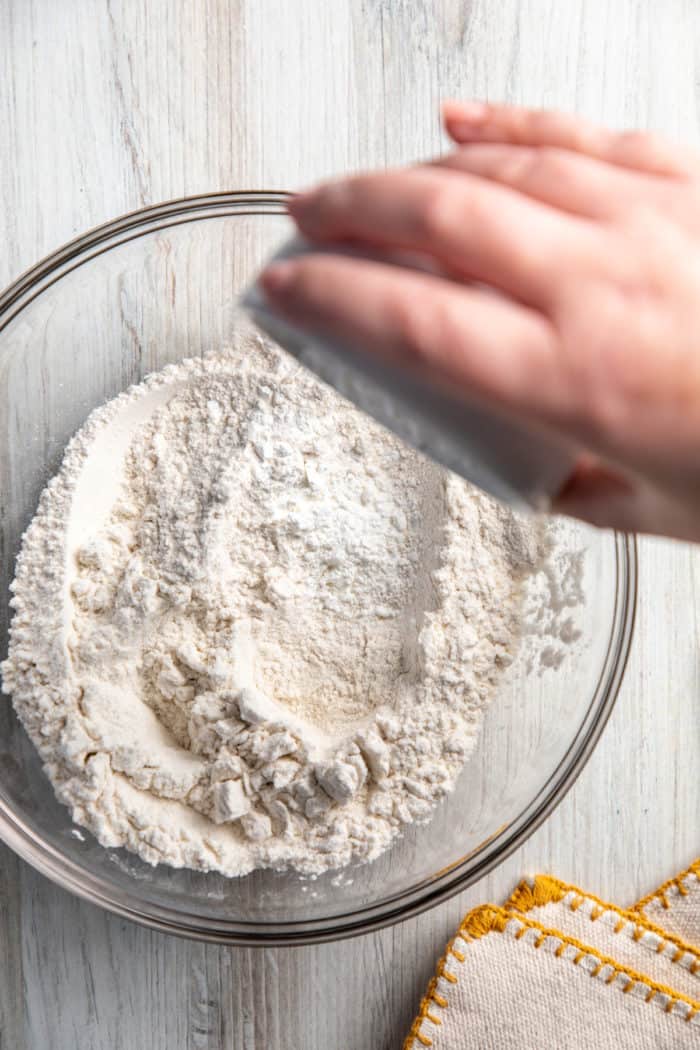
558, 967
625, 935
676, 904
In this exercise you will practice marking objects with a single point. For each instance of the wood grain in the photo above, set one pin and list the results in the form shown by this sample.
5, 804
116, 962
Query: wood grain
110, 104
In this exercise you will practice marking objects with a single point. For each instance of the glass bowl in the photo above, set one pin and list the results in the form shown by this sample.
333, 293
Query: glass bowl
99, 314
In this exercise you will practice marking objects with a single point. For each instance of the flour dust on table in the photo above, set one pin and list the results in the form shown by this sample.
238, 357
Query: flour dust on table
253, 629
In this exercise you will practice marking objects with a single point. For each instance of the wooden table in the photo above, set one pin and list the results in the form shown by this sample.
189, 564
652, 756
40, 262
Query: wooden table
112, 104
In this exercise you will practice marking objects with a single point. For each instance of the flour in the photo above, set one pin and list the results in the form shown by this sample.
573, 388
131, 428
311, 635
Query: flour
254, 629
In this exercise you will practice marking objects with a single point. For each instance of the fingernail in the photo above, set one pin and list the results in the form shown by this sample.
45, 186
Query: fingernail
299, 204
277, 278
465, 118
471, 112
304, 209
296, 204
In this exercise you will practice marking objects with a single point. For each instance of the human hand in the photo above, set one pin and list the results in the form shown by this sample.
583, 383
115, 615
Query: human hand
591, 240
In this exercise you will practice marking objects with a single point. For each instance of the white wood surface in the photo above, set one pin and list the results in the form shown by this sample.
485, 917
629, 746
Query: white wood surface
106, 105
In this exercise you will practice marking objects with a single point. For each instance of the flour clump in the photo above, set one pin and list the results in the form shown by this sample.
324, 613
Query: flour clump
254, 629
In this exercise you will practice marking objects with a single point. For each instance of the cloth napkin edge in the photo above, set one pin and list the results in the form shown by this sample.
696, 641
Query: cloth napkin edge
674, 883
538, 890
489, 919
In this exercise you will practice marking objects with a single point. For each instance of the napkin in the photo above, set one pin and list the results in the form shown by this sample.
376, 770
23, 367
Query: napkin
628, 936
676, 904
559, 967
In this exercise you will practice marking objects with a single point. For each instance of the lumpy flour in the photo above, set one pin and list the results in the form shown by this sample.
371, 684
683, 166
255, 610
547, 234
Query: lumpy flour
251, 627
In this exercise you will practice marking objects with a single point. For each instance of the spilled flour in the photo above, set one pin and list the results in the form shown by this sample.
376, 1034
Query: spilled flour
251, 627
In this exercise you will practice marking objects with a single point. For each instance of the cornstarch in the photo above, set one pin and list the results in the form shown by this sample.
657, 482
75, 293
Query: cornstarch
252, 628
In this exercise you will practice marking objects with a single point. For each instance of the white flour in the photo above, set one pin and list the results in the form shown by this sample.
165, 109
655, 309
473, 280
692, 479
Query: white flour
251, 627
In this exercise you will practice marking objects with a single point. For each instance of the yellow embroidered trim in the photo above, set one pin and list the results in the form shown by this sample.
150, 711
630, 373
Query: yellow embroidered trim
431, 996
546, 889
675, 883
488, 919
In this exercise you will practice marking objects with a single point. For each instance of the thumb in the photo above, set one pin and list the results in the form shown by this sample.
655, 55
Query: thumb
611, 499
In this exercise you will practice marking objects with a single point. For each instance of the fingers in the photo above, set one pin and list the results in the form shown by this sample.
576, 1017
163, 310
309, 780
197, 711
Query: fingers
572, 182
485, 122
465, 339
607, 498
481, 346
476, 228
600, 496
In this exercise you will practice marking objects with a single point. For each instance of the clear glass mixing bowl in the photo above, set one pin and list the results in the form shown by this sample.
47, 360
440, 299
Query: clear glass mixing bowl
121, 301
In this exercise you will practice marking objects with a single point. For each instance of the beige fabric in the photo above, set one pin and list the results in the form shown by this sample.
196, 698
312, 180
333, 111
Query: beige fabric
507, 982
675, 906
626, 936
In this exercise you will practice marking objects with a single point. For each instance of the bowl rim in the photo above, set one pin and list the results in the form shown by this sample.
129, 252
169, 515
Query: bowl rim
408, 903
